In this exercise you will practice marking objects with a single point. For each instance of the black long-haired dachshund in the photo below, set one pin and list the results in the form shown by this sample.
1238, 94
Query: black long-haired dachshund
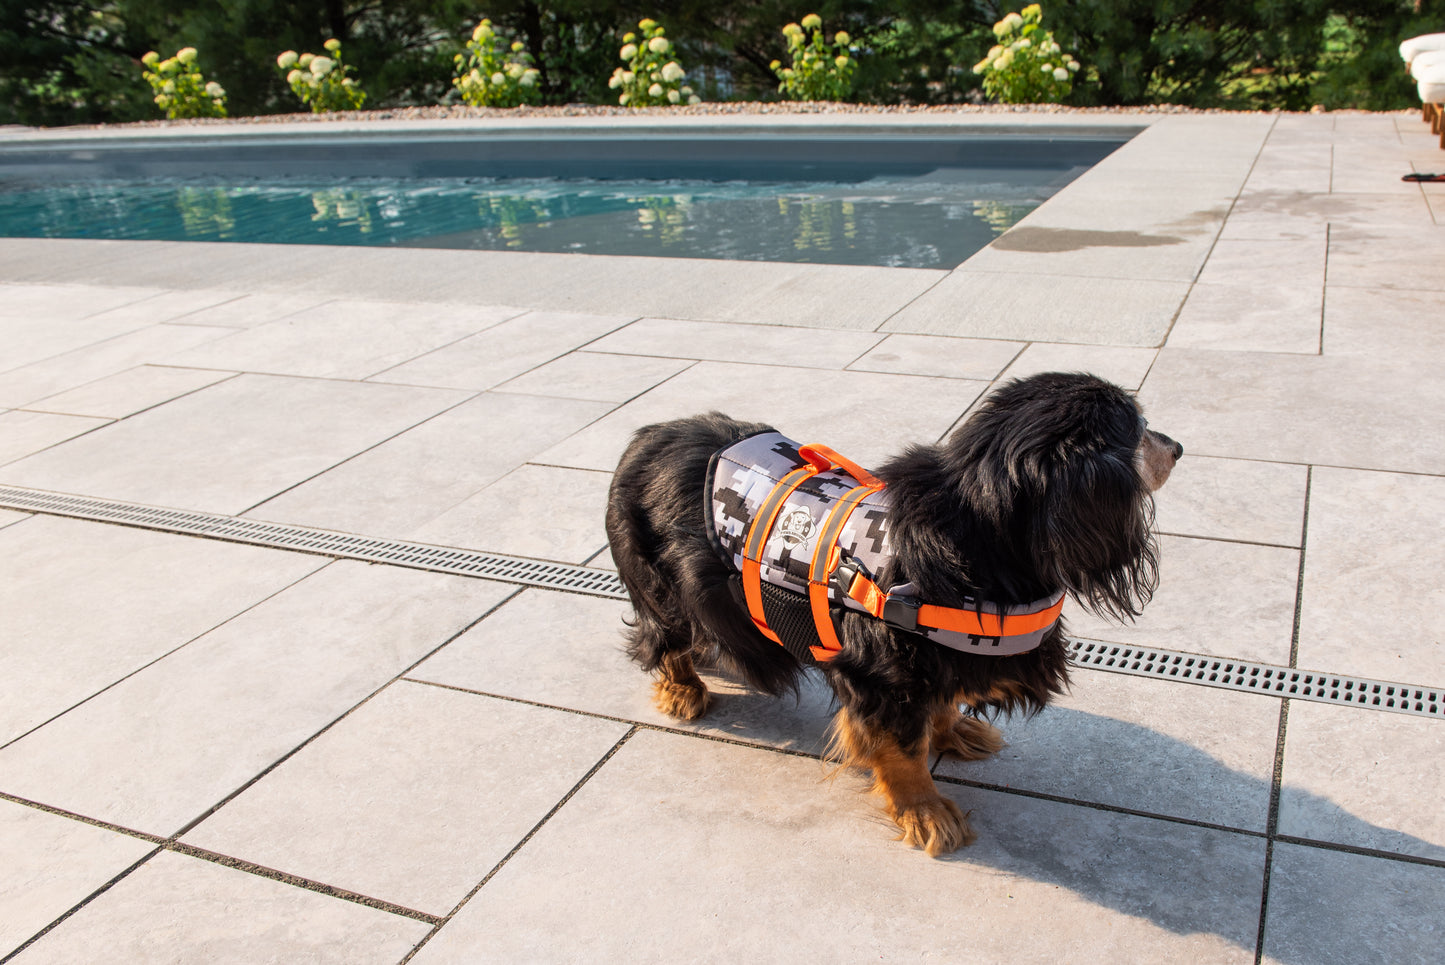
1045, 489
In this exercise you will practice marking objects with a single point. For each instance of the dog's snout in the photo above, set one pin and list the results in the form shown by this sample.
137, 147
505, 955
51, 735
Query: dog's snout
1167, 444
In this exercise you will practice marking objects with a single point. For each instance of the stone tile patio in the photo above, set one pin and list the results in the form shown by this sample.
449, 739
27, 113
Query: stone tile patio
218, 752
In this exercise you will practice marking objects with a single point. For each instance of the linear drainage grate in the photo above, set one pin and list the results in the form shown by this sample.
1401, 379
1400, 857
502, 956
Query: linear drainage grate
1260, 678
1220, 672
492, 566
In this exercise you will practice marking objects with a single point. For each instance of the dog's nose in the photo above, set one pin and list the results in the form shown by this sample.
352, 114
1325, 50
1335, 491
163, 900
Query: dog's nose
1178, 451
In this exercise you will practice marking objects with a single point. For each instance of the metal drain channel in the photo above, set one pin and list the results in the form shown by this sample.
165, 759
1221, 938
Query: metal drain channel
1259, 678
493, 566
1218, 672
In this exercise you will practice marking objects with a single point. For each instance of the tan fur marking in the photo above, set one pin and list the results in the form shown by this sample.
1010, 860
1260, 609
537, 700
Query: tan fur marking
926, 819
965, 737
679, 692
1156, 460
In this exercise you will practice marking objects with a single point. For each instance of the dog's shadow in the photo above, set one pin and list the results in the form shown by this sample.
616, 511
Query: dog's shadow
1159, 830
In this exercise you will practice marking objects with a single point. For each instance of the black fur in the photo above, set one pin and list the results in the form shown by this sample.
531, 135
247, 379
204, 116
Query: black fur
1039, 490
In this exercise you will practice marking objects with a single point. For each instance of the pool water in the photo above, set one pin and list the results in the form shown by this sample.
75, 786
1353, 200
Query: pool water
934, 220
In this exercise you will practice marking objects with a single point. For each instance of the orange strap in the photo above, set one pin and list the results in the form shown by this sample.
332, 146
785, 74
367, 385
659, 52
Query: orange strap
757, 538
825, 459
867, 593
825, 560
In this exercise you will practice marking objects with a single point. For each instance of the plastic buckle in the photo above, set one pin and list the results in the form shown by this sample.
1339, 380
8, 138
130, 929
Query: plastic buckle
902, 612
843, 577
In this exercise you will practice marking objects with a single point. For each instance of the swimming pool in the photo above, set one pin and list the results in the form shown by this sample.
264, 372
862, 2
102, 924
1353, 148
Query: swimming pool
900, 199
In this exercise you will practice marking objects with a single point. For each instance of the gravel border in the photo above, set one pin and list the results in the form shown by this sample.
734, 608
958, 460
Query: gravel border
724, 108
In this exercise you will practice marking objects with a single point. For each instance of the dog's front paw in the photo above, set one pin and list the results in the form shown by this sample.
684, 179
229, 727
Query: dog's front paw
685, 701
967, 737
937, 826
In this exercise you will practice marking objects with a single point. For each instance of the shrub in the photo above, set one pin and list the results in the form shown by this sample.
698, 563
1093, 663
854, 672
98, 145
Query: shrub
321, 81
652, 77
180, 89
1026, 66
493, 74
818, 72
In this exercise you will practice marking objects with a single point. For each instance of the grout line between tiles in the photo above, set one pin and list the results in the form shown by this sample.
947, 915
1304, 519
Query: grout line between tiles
520, 844
1276, 783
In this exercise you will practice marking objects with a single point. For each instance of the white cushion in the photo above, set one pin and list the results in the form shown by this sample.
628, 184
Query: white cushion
1426, 62
1415, 46
1432, 91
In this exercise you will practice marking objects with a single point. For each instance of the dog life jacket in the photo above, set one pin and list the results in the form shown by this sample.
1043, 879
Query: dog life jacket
807, 522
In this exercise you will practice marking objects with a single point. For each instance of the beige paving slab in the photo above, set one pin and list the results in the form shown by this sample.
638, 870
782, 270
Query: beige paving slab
1292, 167
408, 481
1362, 412
1251, 318
1123, 366
542, 512
1225, 599
67, 301
77, 368
1233, 499
57, 261
26, 433
52, 864
595, 377
1253, 295
343, 339
414, 798
1333, 908
900, 409
226, 448
1396, 256
504, 351
1385, 322
1268, 214
612, 875
86, 604
35, 337
9, 517
126, 393
731, 342
949, 358
1133, 250
581, 666
1374, 541
1045, 308
157, 750
168, 305
252, 309
1364, 778
1147, 745
177, 908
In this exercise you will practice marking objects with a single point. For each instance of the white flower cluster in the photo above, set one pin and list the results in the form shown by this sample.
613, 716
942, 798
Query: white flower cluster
321, 81
817, 73
493, 73
1026, 65
179, 88
652, 77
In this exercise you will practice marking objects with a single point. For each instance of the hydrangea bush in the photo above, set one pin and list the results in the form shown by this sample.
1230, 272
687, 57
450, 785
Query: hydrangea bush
1026, 66
652, 77
818, 72
493, 73
180, 89
320, 81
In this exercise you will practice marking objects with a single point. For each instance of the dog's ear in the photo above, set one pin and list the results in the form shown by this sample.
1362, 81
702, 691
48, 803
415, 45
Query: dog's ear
1094, 534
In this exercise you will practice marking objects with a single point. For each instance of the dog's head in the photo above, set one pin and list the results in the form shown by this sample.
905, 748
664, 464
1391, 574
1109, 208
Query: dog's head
1063, 467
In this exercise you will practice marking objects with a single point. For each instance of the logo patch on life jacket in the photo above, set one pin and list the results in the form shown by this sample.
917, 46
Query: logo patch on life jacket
795, 528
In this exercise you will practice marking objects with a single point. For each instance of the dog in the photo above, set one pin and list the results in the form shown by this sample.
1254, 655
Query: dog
1044, 490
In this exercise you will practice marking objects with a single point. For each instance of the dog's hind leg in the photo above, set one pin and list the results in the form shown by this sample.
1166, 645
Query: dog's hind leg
963, 736
678, 691
927, 819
